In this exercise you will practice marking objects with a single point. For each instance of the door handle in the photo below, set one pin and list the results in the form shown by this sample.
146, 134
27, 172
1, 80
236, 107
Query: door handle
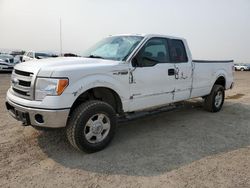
171, 72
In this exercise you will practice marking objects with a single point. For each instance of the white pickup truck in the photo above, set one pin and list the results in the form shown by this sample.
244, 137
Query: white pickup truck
119, 75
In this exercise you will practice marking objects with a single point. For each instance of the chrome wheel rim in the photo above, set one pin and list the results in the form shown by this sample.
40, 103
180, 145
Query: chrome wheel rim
218, 99
97, 128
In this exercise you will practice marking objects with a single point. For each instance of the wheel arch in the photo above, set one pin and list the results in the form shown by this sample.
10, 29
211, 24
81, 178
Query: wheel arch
101, 93
221, 80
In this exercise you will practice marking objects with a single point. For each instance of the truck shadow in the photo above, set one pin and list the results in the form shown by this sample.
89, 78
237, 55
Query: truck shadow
156, 144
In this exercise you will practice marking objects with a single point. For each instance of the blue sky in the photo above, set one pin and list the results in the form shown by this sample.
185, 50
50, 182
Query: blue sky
214, 29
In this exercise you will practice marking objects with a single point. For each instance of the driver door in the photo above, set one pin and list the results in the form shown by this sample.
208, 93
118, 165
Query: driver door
153, 76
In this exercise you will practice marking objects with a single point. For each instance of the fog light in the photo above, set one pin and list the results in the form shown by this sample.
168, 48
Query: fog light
39, 118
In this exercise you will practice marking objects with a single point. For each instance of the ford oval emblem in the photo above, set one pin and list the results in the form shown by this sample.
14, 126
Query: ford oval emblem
15, 81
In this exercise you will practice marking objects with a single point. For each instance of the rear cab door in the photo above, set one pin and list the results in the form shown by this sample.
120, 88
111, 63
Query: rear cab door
180, 56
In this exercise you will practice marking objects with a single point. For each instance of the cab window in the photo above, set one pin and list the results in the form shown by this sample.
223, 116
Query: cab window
177, 51
154, 51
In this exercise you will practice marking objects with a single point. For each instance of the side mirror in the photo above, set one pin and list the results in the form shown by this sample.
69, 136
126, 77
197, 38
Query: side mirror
135, 62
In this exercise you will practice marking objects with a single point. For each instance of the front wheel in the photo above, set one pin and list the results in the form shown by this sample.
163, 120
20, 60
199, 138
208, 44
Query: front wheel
214, 101
91, 126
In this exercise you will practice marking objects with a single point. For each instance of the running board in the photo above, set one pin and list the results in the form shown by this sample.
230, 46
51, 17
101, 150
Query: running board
136, 115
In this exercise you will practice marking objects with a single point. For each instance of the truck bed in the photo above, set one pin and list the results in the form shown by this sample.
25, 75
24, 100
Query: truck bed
206, 72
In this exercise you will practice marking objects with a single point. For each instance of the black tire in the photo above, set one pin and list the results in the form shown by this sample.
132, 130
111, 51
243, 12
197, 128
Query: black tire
242, 69
210, 100
77, 123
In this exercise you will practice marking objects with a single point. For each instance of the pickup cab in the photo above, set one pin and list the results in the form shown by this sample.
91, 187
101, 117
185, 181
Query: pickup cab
118, 76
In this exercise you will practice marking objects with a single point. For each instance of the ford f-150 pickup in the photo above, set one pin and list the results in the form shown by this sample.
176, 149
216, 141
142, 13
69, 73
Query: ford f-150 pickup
120, 75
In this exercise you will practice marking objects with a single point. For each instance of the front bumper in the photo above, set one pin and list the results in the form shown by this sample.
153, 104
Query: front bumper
6, 68
38, 117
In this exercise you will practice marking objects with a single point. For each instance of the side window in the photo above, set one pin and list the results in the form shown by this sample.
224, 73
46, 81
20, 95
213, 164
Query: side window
177, 51
154, 51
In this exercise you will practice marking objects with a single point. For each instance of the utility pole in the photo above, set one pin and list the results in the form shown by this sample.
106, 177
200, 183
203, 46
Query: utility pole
61, 36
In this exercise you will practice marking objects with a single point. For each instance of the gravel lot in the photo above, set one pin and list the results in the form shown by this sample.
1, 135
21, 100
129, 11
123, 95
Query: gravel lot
188, 147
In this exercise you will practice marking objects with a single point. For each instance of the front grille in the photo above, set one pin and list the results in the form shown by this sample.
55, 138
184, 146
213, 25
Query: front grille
23, 73
21, 83
24, 83
21, 92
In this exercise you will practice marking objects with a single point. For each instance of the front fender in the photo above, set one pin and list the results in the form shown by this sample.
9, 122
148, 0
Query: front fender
120, 86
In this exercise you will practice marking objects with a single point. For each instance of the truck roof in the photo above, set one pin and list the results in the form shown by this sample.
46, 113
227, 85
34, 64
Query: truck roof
150, 35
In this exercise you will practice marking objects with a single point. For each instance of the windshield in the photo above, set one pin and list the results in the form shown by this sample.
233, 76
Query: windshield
114, 48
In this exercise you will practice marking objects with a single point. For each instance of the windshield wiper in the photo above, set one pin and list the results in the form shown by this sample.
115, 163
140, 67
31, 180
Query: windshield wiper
95, 56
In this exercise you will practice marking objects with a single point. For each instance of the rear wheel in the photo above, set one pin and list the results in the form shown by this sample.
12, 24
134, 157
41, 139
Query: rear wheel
214, 101
241, 69
91, 126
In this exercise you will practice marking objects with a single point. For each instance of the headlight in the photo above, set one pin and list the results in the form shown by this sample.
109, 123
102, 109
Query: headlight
49, 87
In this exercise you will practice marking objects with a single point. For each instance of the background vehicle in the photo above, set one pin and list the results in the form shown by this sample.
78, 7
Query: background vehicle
248, 65
30, 55
70, 55
18, 55
7, 58
119, 76
242, 67
5, 66
7, 62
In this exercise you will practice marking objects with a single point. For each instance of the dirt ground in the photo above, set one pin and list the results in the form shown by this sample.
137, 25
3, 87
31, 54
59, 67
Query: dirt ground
188, 147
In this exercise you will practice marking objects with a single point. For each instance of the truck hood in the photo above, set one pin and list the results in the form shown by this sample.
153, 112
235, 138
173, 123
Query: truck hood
46, 67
